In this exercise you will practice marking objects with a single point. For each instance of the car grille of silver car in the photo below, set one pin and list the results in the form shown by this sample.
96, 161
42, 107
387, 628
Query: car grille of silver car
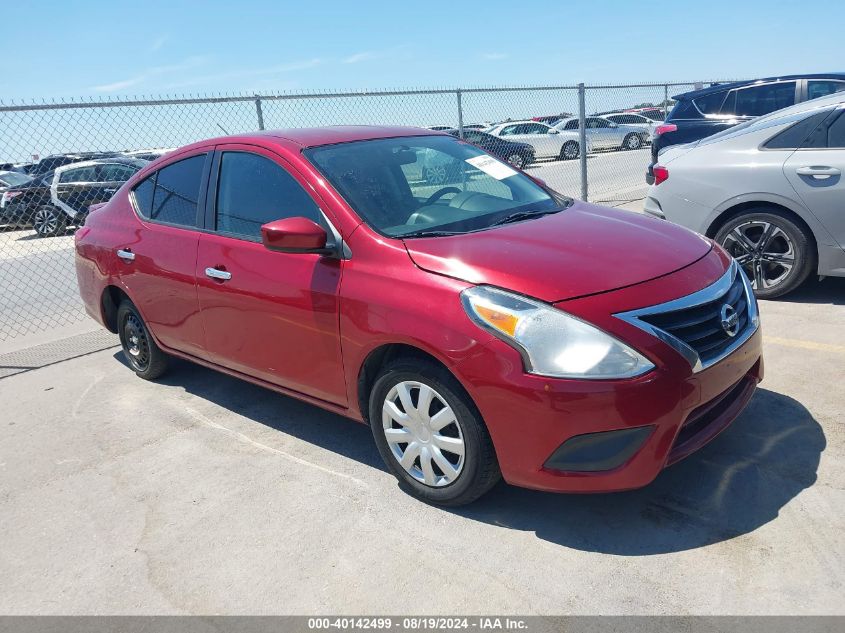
706, 326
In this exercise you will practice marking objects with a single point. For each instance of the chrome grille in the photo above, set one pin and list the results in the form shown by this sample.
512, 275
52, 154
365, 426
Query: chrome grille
693, 325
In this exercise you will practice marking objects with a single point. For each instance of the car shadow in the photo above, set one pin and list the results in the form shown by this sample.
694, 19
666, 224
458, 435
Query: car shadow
733, 486
829, 290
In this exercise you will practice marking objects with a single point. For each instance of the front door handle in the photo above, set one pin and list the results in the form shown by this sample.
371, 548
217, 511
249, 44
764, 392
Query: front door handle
214, 273
126, 255
818, 171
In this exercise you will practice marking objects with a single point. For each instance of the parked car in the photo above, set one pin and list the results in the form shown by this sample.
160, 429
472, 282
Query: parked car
149, 154
547, 141
488, 327
770, 191
520, 155
476, 126
61, 198
701, 113
653, 113
12, 179
604, 134
551, 119
49, 163
632, 119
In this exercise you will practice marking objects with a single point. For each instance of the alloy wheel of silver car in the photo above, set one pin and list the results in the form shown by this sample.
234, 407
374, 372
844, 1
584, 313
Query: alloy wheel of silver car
46, 221
436, 175
423, 433
633, 141
570, 150
764, 250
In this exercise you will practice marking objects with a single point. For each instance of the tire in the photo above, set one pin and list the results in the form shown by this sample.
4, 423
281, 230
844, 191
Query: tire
143, 355
471, 474
517, 161
632, 141
776, 252
48, 221
570, 151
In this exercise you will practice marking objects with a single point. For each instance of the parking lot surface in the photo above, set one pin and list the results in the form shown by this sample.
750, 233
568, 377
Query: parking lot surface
204, 494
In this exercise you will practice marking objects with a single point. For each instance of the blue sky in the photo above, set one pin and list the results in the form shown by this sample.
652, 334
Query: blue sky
150, 47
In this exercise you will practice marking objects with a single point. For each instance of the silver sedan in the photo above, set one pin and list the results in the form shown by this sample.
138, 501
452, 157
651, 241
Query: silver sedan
605, 134
770, 191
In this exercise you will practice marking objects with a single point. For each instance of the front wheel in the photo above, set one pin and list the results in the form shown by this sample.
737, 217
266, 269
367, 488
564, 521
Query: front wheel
49, 221
569, 151
143, 355
776, 253
430, 435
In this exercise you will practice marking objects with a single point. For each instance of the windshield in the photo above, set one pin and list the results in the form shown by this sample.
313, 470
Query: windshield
13, 178
417, 185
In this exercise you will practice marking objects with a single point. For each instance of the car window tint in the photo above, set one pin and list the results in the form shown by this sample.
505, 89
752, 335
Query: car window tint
830, 134
710, 103
253, 191
508, 130
115, 172
177, 192
83, 174
794, 136
571, 125
143, 194
760, 100
819, 88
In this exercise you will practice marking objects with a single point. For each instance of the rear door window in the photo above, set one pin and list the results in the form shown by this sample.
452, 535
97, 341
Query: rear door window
829, 135
171, 195
763, 99
822, 87
710, 103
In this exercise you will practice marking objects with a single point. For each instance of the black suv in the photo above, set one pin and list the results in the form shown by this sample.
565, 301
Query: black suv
700, 113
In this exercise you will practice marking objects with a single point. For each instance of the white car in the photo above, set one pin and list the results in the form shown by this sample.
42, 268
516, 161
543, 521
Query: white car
604, 134
547, 141
632, 119
770, 191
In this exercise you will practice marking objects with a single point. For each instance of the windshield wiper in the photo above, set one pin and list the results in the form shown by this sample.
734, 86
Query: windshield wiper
430, 234
523, 215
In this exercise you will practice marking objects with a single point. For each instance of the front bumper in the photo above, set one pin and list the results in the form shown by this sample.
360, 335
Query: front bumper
531, 418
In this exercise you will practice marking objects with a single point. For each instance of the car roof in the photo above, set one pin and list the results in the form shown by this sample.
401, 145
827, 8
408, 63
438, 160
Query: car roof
693, 94
123, 160
519, 122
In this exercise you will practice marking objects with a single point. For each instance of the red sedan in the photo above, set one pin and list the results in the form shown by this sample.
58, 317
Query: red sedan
482, 327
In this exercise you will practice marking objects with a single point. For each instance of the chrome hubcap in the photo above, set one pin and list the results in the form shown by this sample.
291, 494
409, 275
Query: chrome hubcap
570, 151
45, 221
516, 160
764, 251
634, 142
423, 433
437, 175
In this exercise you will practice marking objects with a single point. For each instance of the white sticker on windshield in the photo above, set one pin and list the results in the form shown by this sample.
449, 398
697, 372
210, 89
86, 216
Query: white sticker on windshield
491, 167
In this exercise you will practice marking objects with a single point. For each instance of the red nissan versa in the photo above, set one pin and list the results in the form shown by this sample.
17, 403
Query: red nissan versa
484, 326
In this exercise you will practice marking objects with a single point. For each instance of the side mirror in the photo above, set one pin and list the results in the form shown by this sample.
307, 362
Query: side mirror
553, 131
612, 124
294, 235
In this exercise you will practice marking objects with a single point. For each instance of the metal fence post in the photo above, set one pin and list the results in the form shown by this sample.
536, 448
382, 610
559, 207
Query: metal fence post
665, 100
259, 113
582, 134
460, 114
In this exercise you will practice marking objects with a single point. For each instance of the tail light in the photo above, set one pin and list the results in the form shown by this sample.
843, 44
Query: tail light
666, 127
11, 194
661, 174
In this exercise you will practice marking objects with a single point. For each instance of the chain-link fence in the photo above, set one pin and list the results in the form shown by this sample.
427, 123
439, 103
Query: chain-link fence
56, 159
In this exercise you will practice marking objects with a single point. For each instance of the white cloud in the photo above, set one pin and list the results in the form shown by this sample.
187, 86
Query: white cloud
186, 64
494, 56
363, 56
158, 43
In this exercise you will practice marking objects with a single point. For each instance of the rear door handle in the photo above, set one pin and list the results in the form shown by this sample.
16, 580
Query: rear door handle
818, 171
126, 255
215, 273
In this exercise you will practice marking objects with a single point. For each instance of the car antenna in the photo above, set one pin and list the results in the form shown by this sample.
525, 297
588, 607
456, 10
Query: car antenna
224, 130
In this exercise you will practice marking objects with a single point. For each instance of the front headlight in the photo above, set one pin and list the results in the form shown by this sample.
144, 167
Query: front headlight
552, 342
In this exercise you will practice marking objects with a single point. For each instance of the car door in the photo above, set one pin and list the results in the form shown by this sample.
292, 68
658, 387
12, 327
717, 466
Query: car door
816, 172
540, 137
72, 190
267, 314
156, 257
601, 134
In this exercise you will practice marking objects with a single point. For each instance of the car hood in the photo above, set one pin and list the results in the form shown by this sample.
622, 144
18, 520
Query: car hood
582, 250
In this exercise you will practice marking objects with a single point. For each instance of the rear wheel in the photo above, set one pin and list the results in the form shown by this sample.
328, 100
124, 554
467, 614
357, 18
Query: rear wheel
776, 252
569, 151
632, 141
430, 435
48, 221
143, 355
